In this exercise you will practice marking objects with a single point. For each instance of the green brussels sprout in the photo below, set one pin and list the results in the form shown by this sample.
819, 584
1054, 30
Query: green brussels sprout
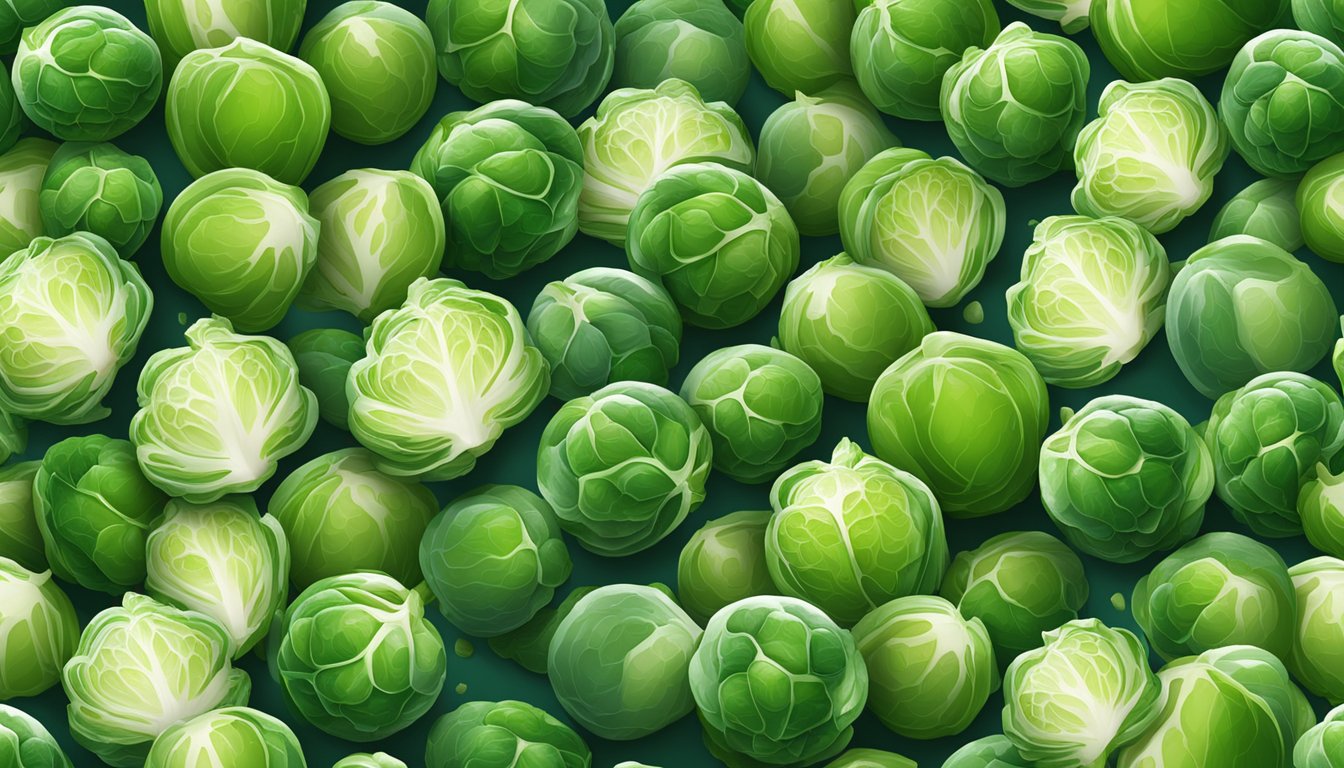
324, 357
340, 514
800, 45
86, 73
618, 662
377, 232
1072, 15
1266, 209
94, 509
870, 758
503, 733
699, 41
185, 393
601, 325
26, 743
1092, 294
1323, 745
723, 562
1317, 657
995, 751
624, 466
901, 49
1125, 478
1320, 505
215, 96
242, 243
100, 189
1220, 589
1151, 39
935, 224
18, 15
529, 644
930, 671
73, 313
1241, 307
718, 240
224, 560
443, 377
365, 760
233, 736
1321, 209
22, 169
508, 176
141, 667
493, 558
966, 416
182, 26
377, 63
357, 658
20, 538
38, 631
762, 407
1010, 132
639, 133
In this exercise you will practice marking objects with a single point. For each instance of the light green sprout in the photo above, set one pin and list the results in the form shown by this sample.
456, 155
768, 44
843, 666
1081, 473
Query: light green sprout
1320, 505
503, 732
995, 751
20, 538
100, 189
870, 758
1317, 657
1072, 15
1266, 209
366, 760
529, 645
1151, 39
799, 46
324, 357
182, 26
227, 738
22, 169
1321, 746
700, 42
723, 562
38, 631
1320, 203
26, 740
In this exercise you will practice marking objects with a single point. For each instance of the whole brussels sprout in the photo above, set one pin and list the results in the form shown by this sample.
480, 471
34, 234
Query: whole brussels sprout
699, 41
215, 96
242, 243
1151, 39
777, 681
377, 63
602, 325
1317, 657
474, 373
357, 658
529, 644
233, 736
503, 733
870, 758
995, 751
22, 169
1241, 307
508, 176
966, 416
639, 133
182, 26
1321, 210
935, 224
799, 46
20, 538
851, 534
86, 73
324, 357
723, 562
18, 15
38, 631
624, 466
1320, 505
100, 189
1266, 209
762, 407
94, 510
1019, 585
365, 760
74, 313
141, 667
1220, 589
1012, 133
1320, 747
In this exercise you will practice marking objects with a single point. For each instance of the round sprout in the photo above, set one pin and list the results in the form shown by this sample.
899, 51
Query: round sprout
100, 189
38, 631
1014, 109
870, 758
1320, 504
966, 416
995, 751
1092, 294
1266, 209
508, 175
1241, 307
1151, 39
799, 45
851, 534
474, 374
1220, 589
242, 243
227, 737
22, 169
20, 538
324, 357
933, 223
18, 15
357, 658
624, 466
1321, 208
74, 313
602, 325
87, 73
182, 26
724, 562
1317, 657
26, 741
214, 99
529, 644
503, 733
699, 41
1320, 746
365, 760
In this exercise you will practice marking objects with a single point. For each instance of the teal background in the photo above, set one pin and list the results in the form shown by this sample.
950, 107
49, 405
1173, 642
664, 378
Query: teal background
1153, 375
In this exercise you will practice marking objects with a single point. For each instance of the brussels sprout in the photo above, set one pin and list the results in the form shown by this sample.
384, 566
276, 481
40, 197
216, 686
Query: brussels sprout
1320, 505
365, 760
624, 466
995, 751
529, 644
26, 742
637, 134
1241, 307
902, 48
87, 73
602, 325
324, 357
1266, 209
933, 223
22, 168
719, 241
1322, 210
799, 45
699, 41
73, 313
966, 416
1317, 657
38, 631
20, 539
378, 232
1220, 589
870, 758
1150, 39
100, 189
141, 667
357, 658
503, 733
775, 680
242, 243
1323, 745
724, 562
223, 560
214, 99
94, 510
187, 392
1010, 132
493, 558
443, 377
182, 26
233, 736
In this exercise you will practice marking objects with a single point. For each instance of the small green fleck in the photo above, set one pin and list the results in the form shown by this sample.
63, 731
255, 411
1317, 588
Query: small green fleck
1065, 413
181, 318
1118, 601
974, 313
461, 688
464, 648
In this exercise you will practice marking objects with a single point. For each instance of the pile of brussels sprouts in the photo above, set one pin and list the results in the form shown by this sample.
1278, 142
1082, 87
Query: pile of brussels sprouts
221, 522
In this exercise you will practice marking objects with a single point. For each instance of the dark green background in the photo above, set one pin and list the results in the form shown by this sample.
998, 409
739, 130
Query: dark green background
1153, 375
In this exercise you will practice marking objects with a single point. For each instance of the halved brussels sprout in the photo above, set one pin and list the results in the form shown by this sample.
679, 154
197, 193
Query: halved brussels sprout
1149, 39
1320, 205
799, 46
324, 357
28, 740
22, 169
1317, 657
20, 539
232, 736
723, 562
699, 41
1266, 209
182, 26
100, 189
486, 732
38, 632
